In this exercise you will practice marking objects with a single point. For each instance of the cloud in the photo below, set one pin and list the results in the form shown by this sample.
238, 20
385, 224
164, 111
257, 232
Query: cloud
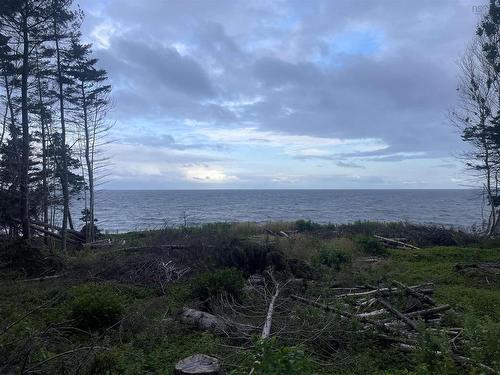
342, 83
206, 174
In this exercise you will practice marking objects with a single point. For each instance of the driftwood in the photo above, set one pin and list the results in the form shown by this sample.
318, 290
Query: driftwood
397, 243
199, 364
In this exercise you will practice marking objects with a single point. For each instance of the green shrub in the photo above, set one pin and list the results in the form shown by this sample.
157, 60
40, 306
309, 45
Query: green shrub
333, 258
272, 359
213, 283
370, 245
96, 306
306, 225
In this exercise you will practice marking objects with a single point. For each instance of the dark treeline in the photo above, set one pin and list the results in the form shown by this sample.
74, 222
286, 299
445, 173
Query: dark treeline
53, 105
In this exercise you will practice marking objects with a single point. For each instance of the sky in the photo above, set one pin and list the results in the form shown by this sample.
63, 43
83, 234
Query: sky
322, 94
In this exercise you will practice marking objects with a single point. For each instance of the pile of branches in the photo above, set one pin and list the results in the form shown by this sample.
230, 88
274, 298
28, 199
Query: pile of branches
487, 271
396, 314
378, 308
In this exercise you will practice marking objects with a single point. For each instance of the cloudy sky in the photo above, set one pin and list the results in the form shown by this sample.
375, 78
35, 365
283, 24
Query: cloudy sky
282, 94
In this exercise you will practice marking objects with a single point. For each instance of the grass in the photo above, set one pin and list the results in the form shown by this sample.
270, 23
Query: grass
147, 338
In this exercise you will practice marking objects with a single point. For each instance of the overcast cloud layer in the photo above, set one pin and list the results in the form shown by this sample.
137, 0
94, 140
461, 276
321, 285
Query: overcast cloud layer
282, 94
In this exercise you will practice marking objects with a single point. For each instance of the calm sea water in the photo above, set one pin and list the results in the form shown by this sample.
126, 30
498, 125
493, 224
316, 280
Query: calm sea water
126, 210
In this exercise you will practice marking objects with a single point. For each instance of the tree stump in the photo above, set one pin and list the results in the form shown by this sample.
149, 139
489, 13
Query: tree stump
199, 364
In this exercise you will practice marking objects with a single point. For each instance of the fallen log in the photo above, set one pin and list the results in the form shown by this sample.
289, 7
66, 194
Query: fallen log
372, 313
397, 313
428, 312
396, 242
52, 234
79, 236
415, 293
380, 291
345, 314
266, 330
283, 234
425, 312
44, 278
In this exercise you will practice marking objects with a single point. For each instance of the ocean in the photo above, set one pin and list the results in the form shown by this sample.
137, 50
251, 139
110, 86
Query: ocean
127, 210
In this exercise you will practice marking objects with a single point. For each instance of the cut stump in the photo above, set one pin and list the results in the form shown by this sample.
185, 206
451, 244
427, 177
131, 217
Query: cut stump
199, 364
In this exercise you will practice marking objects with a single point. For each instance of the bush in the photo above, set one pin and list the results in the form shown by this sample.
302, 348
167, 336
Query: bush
370, 245
211, 284
19, 256
250, 257
306, 225
96, 306
271, 359
333, 258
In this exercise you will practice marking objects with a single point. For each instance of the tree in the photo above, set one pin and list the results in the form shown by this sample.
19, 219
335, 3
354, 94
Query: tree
478, 112
62, 20
24, 20
52, 98
91, 97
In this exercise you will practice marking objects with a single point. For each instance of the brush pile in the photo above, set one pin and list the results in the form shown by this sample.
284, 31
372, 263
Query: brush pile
400, 315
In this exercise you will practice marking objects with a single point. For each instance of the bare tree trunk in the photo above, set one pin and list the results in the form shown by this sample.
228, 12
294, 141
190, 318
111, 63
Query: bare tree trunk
25, 203
45, 194
4, 124
9, 99
90, 169
64, 178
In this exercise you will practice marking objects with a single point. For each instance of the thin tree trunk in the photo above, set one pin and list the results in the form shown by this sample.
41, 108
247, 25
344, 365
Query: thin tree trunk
25, 204
45, 194
90, 168
4, 124
64, 178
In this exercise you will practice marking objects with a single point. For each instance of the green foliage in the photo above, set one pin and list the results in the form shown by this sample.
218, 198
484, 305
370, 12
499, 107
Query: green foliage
213, 283
370, 245
96, 306
306, 225
433, 355
269, 358
251, 257
482, 342
333, 258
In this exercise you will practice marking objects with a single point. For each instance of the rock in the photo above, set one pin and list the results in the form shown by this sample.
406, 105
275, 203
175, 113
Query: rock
203, 320
199, 364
